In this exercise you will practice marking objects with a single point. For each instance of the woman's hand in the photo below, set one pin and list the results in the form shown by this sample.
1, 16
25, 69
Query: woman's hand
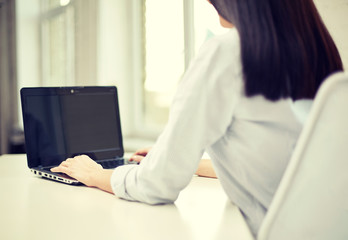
87, 171
140, 154
205, 169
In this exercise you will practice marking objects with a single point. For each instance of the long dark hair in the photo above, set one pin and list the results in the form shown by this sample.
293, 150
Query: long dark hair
286, 49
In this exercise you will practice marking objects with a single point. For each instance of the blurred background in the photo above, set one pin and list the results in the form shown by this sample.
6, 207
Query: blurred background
141, 46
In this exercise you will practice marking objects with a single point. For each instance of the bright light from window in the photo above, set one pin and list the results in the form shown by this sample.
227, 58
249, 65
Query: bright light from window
164, 45
164, 26
64, 2
165, 48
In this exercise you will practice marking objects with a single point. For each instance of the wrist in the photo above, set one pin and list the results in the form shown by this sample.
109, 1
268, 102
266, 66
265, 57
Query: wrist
101, 179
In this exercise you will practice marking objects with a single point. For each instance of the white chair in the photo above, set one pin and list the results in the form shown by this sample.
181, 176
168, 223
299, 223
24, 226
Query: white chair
312, 199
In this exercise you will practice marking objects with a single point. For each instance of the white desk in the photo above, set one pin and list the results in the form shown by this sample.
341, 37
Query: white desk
35, 208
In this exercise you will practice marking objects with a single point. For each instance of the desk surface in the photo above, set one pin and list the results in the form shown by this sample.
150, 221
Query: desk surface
35, 208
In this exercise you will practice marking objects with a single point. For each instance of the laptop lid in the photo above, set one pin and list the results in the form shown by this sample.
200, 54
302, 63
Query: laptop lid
62, 122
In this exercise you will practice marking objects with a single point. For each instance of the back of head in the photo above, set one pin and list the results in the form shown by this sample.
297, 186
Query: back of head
286, 49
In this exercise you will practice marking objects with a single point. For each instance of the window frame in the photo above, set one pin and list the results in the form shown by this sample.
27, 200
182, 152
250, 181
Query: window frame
81, 50
140, 130
45, 17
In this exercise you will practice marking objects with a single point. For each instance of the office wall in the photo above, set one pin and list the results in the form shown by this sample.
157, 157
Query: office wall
115, 63
28, 45
28, 42
8, 79
335, 16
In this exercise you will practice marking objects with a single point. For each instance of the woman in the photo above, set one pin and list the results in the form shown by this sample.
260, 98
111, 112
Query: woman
239, 101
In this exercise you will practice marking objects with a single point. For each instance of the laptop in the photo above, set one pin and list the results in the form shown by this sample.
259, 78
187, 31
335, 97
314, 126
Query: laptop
63, 122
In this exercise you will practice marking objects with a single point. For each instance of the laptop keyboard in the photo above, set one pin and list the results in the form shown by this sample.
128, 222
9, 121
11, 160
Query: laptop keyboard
111, 163
107, 164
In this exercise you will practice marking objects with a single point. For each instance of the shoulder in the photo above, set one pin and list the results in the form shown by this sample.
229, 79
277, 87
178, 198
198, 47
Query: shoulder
216, 66
221, 53
227, 44
229, 39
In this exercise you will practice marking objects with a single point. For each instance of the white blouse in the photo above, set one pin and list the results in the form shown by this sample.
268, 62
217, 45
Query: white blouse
249, 140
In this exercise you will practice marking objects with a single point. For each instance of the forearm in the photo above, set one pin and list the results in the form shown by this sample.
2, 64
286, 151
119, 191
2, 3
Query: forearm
101, 179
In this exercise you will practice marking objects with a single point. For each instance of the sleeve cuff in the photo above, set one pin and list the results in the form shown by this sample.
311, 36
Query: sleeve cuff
118, 181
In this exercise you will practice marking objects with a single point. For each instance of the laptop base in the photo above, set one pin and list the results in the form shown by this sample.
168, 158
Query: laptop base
60, 177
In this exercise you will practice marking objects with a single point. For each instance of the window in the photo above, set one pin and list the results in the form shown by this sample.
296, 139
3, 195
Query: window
57, 35
56, 42
164, 58
172, 33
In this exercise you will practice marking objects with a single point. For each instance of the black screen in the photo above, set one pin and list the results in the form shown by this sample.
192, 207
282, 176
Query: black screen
68, 122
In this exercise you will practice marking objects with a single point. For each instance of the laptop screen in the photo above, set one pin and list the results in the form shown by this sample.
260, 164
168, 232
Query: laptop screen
64, 122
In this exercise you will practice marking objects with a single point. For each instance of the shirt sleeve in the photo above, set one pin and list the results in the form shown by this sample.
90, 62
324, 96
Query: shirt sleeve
200, 114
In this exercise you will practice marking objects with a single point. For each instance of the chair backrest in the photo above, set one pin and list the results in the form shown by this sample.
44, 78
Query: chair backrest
312, 199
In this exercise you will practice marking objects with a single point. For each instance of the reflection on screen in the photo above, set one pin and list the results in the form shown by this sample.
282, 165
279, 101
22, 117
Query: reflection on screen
68, 125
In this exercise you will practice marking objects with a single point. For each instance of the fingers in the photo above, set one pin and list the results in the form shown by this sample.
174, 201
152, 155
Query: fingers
139, 155
82, 168
64, 166
61, 169
143, 152
136, 158
55, 169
